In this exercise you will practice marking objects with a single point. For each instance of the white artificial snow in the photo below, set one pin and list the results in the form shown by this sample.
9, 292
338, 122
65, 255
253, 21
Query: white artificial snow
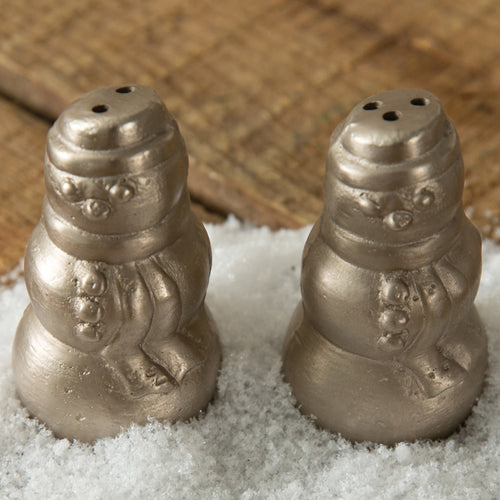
253, 442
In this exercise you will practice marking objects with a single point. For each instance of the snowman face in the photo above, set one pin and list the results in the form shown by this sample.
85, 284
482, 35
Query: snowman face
409, 213
97, 198
115, 204
397, 209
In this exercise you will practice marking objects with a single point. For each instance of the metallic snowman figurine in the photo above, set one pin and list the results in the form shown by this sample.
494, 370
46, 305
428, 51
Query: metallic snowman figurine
117, 271
386, 344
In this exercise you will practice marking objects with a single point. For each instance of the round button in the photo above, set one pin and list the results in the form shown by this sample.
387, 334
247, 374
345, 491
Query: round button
87, 331
94, 283
88, 310
393, 320
395, 292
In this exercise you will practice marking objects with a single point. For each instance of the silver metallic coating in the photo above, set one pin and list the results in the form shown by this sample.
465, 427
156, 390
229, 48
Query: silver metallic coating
117, 270
386, 344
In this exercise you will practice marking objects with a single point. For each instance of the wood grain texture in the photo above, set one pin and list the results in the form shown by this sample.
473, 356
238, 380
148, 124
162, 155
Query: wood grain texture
258, 87
22, 142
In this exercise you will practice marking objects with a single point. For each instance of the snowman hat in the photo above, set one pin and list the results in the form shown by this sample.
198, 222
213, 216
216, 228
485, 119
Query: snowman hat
112, 131
393, 140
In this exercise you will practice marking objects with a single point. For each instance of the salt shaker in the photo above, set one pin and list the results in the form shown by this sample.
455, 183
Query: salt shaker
386, 344
117, 270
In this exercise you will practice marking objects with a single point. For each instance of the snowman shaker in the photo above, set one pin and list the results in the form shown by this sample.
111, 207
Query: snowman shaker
117, 270
386, 344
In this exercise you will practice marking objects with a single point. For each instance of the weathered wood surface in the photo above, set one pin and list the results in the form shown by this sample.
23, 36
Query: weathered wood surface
22, 137
257, 88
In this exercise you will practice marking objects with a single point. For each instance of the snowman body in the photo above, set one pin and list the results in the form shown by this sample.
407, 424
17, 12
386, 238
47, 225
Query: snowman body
117, 269
386, 344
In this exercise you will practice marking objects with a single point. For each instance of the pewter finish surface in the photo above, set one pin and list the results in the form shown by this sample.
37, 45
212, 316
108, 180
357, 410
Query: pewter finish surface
386, 344
117, 270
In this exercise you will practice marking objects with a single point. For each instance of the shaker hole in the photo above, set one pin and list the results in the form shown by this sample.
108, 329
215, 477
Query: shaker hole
419, 101
100, 108
124, 90
391, 116
372, 105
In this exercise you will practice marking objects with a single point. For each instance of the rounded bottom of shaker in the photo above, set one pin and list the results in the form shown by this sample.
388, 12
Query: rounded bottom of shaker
377, 401
84, 396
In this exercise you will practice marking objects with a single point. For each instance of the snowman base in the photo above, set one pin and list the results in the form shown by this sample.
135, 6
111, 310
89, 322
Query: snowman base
365, 399
84, 395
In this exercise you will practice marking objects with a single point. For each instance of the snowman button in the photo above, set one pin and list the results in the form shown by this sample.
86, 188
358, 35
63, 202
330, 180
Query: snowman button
393, 320
94, 283
395, 292
88, 310
87, 331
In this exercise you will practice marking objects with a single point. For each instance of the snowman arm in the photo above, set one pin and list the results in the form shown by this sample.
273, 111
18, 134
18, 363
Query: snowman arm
164, 297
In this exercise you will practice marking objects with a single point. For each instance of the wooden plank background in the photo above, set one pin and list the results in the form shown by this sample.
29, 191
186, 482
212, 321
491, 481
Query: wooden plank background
256, 86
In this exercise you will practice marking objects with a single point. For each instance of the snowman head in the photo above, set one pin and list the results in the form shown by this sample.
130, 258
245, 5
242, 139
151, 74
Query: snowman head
115, 161
394, 169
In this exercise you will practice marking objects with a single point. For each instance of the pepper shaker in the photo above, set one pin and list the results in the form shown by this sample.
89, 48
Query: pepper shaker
386, 344
117, 269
